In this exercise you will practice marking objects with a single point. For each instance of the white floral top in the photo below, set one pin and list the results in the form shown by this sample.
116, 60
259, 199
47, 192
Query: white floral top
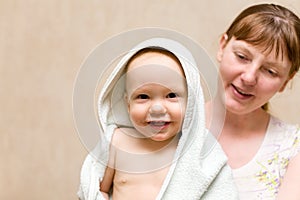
261, 177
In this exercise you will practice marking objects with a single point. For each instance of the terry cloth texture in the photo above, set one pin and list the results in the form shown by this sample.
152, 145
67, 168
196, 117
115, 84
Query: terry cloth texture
199, 169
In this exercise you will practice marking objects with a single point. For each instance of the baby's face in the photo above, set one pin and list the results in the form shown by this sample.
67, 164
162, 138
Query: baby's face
156, 95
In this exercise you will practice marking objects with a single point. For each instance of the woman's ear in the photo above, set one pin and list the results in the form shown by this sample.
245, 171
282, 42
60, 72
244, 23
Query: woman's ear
287, 81
222, 43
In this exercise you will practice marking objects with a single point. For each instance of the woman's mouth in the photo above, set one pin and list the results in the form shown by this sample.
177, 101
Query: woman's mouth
240, 93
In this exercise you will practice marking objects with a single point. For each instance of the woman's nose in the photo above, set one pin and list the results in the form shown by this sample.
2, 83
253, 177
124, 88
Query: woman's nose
249, 77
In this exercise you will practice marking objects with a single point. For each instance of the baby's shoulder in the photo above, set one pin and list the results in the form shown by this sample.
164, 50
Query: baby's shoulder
122, 136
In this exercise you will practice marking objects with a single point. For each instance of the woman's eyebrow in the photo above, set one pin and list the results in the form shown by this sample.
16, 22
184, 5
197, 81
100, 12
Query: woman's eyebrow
241, 47
273, 64
278, 66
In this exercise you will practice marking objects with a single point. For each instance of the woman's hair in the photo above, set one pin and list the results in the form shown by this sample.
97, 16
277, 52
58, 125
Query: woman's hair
269, 27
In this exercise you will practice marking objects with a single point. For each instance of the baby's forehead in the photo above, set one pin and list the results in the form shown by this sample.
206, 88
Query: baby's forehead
154, 74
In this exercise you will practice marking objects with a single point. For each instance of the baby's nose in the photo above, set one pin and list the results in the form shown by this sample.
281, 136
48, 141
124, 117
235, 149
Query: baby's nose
158, 109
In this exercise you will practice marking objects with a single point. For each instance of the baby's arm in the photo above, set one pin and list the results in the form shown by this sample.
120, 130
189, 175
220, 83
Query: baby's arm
107, 181
108, 177
289, 188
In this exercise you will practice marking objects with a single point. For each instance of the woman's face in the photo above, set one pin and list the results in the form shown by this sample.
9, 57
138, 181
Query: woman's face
250, 77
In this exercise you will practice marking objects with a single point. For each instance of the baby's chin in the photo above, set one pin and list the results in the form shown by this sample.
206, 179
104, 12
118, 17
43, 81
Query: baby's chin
161, 137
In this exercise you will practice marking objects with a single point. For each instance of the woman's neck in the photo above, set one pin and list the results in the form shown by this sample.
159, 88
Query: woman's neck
242, 131
219, 120
255, 120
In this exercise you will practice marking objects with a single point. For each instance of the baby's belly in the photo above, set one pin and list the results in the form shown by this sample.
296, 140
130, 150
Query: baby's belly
144, 186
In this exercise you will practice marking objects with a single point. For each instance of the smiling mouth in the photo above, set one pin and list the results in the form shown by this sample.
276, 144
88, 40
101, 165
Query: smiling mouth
241, 92
158, 124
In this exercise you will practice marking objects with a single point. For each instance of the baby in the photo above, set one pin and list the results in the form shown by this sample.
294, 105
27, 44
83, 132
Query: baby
156, 95
154, 143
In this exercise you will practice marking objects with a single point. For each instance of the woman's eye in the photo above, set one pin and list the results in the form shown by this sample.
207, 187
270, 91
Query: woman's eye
271, 72
242, 57
172, 95
142, 96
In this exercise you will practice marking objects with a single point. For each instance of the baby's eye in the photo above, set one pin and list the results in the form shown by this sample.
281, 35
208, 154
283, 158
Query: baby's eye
142, 96
172, 95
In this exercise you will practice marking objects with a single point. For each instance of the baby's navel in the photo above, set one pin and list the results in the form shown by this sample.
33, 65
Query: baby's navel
123, 181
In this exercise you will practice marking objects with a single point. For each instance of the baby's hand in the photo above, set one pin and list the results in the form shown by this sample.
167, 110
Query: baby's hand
105, 195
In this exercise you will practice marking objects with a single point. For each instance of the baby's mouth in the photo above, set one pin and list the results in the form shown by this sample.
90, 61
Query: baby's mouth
158, 124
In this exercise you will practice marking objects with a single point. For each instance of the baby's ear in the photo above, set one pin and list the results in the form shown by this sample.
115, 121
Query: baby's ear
126, 100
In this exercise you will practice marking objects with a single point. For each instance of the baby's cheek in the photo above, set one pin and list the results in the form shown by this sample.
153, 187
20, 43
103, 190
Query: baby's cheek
137, 113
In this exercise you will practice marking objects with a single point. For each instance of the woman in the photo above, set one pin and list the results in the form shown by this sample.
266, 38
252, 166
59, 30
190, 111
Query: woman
258, 55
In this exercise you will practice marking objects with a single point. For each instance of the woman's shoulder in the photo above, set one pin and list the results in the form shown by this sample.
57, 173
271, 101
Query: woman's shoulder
283, 127
284, 135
